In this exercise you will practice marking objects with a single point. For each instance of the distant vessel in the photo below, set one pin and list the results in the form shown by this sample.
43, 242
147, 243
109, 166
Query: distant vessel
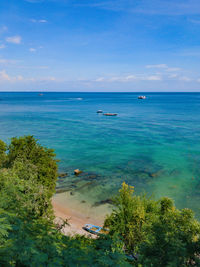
40, 94
110, 114
99, 111
142, 97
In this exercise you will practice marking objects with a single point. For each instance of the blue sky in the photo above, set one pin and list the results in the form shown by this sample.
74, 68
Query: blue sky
92, 45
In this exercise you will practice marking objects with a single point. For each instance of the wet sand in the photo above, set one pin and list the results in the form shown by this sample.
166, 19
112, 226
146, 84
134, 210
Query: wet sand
78, 213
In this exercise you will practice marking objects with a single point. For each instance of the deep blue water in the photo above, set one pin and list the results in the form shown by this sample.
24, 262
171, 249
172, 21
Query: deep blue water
153, 144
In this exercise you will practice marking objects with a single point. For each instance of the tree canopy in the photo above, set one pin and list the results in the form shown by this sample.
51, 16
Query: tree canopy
28, 234
156, 231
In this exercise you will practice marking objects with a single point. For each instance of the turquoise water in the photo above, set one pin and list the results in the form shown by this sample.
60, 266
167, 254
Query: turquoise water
153, 144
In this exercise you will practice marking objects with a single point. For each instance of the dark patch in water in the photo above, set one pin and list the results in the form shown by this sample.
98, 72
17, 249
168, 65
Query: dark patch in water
86, 185
141, 168
175, 172
87, 176
62, 175
103, 202
62, 189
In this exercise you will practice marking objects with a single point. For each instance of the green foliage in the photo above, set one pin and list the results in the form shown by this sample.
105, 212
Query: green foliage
38, 243
3, 148
129, 216
24, 197
161, 234
28, 235
35, 156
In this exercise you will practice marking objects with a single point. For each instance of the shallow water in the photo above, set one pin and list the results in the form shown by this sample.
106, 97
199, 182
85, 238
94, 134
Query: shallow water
152, 144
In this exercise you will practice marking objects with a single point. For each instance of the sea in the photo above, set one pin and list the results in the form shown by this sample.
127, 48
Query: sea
152, 144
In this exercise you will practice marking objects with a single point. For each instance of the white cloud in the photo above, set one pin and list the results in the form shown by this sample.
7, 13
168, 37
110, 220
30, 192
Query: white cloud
7, 61
153, 78
4, 76
157, 66
195, 21
14, 39
32, 49
42, 21
173, 69
38, 20
100, 79
172, 76
50, 79
2, 46
162, 66
20, 78
130, 78
154, 7
31, 67
185, 79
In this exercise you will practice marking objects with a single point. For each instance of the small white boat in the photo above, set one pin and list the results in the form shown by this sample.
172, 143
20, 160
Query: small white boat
141, 97
99, 111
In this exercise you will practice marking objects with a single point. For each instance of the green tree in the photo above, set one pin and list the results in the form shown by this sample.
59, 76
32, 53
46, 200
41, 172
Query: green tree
173, 239
3, 148
161, 234
129, 216
43, 159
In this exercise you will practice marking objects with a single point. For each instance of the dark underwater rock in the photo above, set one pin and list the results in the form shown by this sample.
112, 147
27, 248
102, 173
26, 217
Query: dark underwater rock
62, 175
61, 180
62, 190
86, 185
103, 202
175, 172
156, 174
88, 175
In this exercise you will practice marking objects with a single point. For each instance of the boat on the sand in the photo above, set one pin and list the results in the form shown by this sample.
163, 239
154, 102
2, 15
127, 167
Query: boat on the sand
110, 114
96, 230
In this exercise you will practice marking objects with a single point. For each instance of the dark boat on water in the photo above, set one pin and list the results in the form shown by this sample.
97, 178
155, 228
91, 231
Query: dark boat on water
110, 114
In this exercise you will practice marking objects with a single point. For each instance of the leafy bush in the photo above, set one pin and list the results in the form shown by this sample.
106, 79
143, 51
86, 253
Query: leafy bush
159, 233
28, 150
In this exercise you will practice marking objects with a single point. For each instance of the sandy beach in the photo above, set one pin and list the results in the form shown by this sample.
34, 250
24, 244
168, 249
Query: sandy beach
78, 214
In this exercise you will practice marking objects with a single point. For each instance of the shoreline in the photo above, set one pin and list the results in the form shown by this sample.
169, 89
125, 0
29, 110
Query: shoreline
78, 214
